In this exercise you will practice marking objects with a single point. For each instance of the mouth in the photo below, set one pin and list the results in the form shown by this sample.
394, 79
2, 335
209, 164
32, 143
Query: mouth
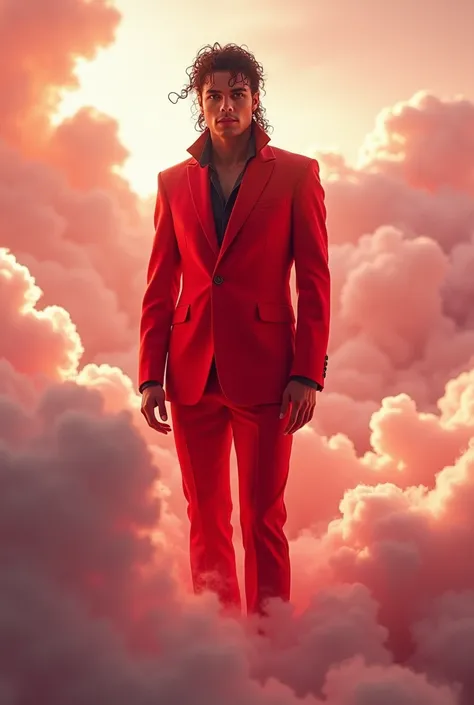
227, 120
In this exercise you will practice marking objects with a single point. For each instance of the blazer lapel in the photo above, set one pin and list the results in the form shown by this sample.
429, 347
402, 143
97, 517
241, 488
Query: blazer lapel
200, 193
256, 177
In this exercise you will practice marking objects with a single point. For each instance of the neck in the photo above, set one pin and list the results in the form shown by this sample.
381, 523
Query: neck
231, 151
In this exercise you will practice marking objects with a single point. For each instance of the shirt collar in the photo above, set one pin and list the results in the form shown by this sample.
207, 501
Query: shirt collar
206, 154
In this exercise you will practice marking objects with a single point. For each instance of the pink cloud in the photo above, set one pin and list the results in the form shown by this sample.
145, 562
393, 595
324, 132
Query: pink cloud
37, 343
40, 44
391, 332
415, 173
427, 142
83, 225
79, 247
407, 448
400, 257
86, 148
409, 548
82, 575
83, 477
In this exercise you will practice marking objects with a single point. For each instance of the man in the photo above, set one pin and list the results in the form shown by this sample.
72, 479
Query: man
230, 222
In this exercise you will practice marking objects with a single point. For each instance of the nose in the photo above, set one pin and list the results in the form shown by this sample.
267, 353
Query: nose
227, 106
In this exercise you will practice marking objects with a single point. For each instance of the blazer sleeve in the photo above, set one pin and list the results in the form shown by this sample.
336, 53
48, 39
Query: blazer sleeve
313, 283
161, 293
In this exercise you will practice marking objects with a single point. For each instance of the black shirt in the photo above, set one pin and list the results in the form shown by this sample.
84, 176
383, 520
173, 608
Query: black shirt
221, 208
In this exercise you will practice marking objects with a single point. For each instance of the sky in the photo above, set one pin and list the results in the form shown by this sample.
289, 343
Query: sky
331, 68
95, 598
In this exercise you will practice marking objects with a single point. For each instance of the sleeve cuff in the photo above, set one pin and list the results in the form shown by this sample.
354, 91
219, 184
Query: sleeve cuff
148, 383
309, 382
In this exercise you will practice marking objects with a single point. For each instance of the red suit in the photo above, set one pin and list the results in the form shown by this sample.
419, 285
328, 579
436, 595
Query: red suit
235, 309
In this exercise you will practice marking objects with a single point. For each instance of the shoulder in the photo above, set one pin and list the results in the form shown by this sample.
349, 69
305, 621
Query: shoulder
173, 173
301, 160
299, 163
173, 177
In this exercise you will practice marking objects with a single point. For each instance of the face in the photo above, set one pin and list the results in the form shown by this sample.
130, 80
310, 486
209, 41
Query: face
227, 109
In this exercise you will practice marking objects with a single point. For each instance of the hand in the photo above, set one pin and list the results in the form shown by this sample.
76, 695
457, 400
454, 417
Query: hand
303, 401
152, 397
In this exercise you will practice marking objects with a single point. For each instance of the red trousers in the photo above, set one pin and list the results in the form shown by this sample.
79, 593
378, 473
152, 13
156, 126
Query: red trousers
203, 436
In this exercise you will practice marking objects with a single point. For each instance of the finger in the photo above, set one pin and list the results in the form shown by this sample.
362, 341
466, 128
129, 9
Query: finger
162, 410
149, 414
150, 418
284, 406
297, 422
293, 416
307, 416
290, 418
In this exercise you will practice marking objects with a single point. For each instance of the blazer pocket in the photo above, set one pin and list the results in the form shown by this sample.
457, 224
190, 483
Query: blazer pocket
181, 314
275, 313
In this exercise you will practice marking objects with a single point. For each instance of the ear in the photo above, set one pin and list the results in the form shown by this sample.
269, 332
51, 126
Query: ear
255, 101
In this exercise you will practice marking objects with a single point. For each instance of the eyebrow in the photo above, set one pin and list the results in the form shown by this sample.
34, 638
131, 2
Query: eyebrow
232, 90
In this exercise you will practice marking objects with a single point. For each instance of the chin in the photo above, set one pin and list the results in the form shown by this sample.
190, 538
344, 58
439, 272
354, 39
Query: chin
233, 128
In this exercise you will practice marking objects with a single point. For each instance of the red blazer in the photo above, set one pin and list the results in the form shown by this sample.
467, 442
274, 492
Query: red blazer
235, 300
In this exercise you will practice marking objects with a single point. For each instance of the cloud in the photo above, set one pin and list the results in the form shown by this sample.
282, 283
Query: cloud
94, 548
408, 548
399, 181
40, 46
83, 575
79, 247
81, 235
400, 324
426, 142
50, 332
402, 242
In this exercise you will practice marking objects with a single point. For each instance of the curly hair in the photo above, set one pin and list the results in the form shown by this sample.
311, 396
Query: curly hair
233, 58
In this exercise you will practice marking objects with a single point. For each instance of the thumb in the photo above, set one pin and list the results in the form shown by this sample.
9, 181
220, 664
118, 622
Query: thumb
284, 404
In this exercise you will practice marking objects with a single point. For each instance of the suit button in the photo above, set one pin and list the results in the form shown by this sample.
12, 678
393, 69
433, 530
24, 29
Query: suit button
218, 280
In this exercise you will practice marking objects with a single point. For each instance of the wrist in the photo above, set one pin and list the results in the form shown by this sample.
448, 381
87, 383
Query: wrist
149, 383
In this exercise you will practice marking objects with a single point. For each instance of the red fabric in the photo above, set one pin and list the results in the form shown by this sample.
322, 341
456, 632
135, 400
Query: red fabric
203, 435
245, 316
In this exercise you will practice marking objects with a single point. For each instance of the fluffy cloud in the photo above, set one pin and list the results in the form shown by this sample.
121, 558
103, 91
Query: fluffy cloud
402, 230
40, 45
37, 342
426, 142
87, 573
414, 172
66, 214
389, 322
